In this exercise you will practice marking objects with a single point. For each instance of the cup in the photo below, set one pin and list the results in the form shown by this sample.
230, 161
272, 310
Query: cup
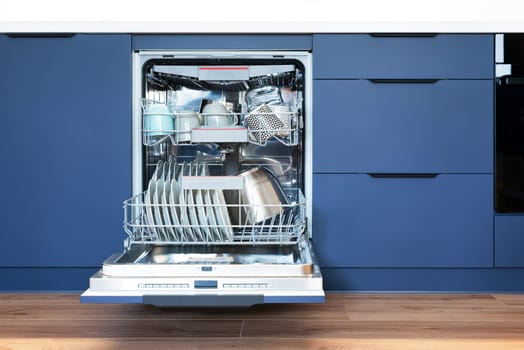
184, 123
216, 115
263, 124
158, 120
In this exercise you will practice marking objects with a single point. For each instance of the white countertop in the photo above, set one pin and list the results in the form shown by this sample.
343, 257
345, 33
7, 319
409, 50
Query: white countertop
262, 16
264, 27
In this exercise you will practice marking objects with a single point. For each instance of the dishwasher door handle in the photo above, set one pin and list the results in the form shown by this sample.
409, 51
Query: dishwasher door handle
403, 175
204, 300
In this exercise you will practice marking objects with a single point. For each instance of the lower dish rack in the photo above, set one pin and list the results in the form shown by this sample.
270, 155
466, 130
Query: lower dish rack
206, 218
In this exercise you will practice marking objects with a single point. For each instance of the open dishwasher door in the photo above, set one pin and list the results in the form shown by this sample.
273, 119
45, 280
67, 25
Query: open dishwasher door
222, 174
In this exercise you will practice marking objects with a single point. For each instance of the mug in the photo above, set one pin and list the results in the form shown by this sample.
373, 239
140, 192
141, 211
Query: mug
158, 119
216, 115
184, 123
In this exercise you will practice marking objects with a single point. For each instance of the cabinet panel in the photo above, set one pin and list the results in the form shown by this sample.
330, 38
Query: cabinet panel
65, 148
221, 41
463, 56
440, 127
509, 241
360, 221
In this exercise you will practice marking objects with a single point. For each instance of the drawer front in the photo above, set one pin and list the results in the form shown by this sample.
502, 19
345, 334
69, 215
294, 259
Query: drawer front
469, 56
509, 241
218, 41
441, 127
360, 221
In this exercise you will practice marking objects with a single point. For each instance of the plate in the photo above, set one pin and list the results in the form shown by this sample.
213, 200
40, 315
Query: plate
211, 215
150, 221
156, 201
222, 215
191, 208
210, 209
174, 210
202, 217
184, 218
165, 203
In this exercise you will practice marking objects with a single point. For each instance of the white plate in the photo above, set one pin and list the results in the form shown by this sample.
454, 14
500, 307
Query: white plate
165, 203
211, 215
210, 209
155, 199
202, 217
150, 221
222, 215
193, 217
174, 210
184, 218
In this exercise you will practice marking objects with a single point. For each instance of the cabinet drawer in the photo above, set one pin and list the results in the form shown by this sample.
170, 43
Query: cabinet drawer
445, 221
441, 56
220, 41
441, 127
509, 241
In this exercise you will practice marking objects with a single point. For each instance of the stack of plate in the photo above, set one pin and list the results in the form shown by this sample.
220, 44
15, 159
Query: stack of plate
173, 214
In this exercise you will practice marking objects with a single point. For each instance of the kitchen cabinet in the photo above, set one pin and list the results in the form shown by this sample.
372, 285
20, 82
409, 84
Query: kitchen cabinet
424, 222
509, 240
221, 41
403, 151
444, 126
65, 148
350, 56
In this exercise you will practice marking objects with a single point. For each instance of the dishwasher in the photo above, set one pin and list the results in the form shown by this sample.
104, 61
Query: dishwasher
221, 206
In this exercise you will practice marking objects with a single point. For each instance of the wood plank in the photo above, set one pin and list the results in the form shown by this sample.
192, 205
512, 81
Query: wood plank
148, 312
383, 329
450, 300
119, 328
511, 299
431, 312
257, 344
39, 298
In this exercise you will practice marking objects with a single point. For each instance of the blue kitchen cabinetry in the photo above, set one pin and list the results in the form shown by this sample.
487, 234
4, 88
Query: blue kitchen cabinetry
218, 41
361, 220
445, 126
65, 148
403, 151
509, 240
455, 56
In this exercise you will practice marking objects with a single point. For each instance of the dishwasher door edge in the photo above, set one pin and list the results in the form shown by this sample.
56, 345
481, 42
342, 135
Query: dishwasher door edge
201, 300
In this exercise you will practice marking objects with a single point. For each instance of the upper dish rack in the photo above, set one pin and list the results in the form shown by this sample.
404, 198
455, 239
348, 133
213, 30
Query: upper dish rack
189, 126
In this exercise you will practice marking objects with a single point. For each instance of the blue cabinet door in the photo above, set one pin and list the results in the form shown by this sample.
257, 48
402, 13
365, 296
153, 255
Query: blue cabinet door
65, 148
361, 221
459, 56
441, 127
221, 41
509, 241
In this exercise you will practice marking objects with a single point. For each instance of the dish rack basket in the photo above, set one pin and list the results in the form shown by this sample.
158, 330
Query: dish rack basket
288, 134
144, 224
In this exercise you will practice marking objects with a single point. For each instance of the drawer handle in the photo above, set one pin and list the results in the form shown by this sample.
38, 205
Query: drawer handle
403, 35
403, 81
40, 35
403, 175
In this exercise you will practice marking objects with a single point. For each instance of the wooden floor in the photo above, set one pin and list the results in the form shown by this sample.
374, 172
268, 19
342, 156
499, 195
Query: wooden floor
356, 322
